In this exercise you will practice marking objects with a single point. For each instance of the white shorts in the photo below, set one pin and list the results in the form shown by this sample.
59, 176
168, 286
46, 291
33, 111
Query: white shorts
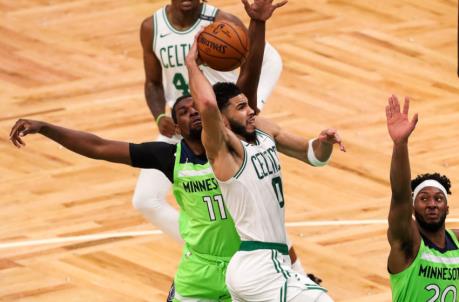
266, 275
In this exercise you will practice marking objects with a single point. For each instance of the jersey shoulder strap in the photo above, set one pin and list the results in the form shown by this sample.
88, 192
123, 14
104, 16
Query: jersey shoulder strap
208, 12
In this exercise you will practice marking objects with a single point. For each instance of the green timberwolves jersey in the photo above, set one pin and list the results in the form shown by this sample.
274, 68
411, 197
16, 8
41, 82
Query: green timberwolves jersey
205, 224
432, 277
254, 195
171, 46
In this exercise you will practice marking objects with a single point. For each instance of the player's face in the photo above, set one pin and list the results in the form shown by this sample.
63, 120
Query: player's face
431, 208
241, 117
186, 5
188, 119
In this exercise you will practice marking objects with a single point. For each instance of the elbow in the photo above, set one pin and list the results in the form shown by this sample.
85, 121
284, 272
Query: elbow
208, 105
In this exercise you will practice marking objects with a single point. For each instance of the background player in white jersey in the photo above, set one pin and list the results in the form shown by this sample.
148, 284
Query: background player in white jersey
246, 165
166, 38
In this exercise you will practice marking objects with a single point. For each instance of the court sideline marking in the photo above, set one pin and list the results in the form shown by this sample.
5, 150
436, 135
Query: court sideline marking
100, 236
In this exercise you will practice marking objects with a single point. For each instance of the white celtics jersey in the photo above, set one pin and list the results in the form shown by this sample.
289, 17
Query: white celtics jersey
254, 196
171, 47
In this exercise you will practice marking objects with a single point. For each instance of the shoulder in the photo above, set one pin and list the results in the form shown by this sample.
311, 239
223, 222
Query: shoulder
224, 16
267, 126
147, 25
456, 232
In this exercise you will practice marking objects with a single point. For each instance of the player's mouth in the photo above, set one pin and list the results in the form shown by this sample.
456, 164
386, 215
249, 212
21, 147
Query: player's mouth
432, 215
187, 4
196, 122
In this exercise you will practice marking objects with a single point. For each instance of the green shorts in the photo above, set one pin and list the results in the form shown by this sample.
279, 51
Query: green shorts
201, 276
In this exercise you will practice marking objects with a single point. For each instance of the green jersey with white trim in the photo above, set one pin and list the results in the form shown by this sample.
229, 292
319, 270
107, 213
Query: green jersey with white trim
171, 46
205, 224
432, 277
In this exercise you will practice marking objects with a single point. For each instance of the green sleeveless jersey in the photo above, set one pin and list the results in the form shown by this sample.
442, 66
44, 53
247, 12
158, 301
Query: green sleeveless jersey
205, 224
432, 277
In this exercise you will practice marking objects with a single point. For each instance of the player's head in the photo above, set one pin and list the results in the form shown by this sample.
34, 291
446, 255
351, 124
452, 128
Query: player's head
186, 118
235, 109
430, 200
186, 5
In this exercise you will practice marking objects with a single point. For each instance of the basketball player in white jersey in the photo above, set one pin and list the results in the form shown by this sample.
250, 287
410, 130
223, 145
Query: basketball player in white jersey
245, 162
166, 38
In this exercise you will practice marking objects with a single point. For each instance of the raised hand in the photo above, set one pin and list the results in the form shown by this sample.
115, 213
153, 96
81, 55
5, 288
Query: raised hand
21, 128
331, 136
399, 126
166, 126
261, 10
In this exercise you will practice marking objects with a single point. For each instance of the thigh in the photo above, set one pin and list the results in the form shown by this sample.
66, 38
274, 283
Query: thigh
203, 279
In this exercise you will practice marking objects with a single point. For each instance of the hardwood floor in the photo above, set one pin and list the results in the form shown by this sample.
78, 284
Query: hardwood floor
78, 63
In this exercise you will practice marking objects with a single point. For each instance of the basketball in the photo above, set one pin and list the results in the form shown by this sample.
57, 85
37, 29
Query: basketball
223, 46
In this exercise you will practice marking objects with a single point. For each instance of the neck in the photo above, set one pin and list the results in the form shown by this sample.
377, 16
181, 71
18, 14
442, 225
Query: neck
436, 237
195, 145
182, 19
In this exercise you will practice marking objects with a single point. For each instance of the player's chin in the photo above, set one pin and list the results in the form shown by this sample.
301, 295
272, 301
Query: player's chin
250, 129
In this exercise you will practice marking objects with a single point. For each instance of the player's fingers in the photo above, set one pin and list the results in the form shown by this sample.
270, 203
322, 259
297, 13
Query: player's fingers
26, 130
414, 120
19, 142
246, 4
280, 4
388, 113
15, 127
341, 147
406, 105
396, 104
391, 103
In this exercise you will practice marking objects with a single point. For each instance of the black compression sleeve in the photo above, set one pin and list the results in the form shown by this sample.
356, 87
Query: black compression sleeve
154, 155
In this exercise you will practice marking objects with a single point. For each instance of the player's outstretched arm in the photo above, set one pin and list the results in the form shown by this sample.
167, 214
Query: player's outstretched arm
80, 142
403, 235
259, 12
315, 152
223, 149
154, 90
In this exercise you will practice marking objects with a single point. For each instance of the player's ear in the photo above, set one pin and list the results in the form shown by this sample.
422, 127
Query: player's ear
225, 121
177, 130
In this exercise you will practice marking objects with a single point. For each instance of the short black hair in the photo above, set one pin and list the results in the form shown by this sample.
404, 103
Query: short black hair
442, 179
225, 91
178, 100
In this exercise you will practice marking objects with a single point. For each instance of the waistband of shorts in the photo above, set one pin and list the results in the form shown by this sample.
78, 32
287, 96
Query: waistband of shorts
258, 245
207, 257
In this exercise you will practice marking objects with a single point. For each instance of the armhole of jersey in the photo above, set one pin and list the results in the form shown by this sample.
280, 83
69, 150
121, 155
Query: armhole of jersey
267, 134
155, 31
178, 154
454, 237
244, 163
418, 255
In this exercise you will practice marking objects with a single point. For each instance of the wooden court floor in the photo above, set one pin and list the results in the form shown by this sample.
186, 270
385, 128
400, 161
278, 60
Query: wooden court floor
78, 63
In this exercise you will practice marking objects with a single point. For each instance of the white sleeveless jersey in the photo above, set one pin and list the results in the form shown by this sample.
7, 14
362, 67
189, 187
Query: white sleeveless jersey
171, 47
254, 196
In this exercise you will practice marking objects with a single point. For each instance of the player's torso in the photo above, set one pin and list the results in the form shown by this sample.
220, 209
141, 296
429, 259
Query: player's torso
206, 225
432, 277
254, 195
171, 47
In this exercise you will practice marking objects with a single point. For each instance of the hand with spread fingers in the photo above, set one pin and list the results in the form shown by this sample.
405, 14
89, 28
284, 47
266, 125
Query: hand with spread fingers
261, 10
23, 127
400, 128
331, 136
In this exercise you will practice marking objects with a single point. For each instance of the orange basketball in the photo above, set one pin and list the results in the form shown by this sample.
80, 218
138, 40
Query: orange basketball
223, 46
